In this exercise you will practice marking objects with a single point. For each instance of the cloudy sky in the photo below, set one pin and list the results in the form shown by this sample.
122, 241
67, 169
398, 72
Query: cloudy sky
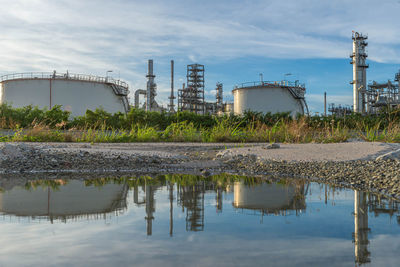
235, 40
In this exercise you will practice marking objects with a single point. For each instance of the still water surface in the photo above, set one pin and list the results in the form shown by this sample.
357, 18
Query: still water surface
193, 221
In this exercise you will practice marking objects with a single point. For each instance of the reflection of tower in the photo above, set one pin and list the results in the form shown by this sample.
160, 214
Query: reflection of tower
149, 208
361, 228
136, 196
192, 198
218, 199
171, 209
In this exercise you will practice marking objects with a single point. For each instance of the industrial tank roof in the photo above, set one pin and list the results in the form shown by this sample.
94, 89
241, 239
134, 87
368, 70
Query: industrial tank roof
74, 92
67, 75
270, 96
300, 88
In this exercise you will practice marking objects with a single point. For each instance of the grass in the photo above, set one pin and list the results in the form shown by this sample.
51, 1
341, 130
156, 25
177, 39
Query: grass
35, 125
297, 131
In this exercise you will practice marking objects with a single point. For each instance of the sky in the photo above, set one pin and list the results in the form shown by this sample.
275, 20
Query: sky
234, 40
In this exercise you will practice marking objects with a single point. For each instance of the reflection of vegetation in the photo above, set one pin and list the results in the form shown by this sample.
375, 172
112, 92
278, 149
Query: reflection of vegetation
220, 180
53, 184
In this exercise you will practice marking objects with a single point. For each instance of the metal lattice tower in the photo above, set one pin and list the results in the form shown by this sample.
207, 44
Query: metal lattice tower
358, 59
191, 98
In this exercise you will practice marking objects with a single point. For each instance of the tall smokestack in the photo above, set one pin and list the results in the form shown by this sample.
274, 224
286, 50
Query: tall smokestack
171, 98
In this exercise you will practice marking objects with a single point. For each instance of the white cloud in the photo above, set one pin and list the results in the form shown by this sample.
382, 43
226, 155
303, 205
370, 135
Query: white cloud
94, 36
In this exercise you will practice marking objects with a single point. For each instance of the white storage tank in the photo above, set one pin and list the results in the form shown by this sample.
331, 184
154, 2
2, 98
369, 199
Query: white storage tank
74, 92
271, 97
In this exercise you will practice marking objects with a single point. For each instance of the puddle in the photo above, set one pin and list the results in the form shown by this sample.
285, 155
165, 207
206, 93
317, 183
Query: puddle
174, 220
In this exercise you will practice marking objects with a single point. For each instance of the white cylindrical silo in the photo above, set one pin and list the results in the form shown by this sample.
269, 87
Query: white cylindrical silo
271, 97
74, 92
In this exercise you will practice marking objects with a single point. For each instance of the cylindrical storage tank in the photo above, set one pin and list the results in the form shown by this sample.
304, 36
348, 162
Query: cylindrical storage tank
269, 97
74, 92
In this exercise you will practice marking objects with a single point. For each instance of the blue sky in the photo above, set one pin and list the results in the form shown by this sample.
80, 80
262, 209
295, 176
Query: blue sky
235, 40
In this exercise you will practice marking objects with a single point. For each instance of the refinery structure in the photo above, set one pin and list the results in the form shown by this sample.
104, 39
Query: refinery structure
368, 98
273, 97
78, 93
359, 81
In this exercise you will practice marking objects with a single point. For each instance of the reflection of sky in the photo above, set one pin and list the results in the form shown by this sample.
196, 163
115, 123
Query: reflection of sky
321, 234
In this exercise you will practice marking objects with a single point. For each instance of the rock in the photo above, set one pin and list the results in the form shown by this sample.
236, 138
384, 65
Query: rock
393, 155
272, 146
205, 172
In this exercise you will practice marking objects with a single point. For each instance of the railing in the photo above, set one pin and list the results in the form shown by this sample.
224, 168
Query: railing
271, 83
70, 76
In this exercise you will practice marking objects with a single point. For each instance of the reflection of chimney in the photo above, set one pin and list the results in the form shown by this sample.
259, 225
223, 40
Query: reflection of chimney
171, 209
135, 194
218, 200
361, 228
149, 209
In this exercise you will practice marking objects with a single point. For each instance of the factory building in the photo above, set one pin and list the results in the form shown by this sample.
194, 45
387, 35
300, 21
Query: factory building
273, 97
74, 92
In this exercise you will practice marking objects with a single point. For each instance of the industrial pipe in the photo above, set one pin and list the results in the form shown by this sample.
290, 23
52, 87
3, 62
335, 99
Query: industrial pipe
137, 93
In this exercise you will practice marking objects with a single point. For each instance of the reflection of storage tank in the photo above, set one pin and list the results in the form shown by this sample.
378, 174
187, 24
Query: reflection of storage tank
269, 198
70, 200
271, 97
74, 92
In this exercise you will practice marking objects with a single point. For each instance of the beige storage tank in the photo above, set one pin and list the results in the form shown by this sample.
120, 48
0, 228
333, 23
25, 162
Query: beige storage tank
74, 92
271, 97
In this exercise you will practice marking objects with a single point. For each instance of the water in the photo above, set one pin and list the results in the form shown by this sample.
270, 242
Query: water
193, 221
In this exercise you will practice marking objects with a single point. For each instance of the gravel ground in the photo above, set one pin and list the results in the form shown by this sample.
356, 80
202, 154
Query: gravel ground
359, 165
316, 152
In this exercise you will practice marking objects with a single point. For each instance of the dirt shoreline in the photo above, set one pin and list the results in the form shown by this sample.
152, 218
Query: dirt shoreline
359, 165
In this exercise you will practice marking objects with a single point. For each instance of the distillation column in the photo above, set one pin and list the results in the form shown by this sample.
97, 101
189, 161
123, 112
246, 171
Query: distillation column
359, 82
151, 88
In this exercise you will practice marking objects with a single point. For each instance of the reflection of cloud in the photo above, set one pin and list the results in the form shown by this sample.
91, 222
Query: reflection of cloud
86, 246
190, 238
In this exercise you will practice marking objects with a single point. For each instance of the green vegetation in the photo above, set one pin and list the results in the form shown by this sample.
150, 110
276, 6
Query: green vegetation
55, 125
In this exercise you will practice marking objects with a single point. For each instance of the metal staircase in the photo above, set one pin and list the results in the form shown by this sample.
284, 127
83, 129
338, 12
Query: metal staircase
123, 93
